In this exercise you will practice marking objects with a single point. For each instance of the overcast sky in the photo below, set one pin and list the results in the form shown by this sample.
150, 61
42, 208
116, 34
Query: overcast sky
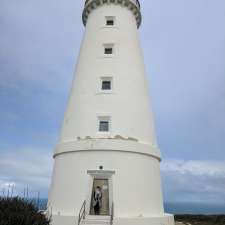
184, 48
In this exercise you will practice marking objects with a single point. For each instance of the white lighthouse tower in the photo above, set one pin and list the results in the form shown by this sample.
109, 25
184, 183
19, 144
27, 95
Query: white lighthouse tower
107, 144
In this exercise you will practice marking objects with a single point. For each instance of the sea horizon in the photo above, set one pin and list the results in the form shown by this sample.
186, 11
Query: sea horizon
178, 207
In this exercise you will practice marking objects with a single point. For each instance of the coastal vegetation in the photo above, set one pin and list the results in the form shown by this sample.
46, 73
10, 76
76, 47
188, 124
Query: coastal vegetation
200, 219
19, 211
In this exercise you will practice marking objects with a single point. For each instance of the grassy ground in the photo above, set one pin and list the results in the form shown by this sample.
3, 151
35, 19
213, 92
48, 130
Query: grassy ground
200, 219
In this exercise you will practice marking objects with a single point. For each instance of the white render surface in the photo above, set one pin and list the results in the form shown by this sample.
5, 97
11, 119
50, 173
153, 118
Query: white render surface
135, 184
128, 103
128, 152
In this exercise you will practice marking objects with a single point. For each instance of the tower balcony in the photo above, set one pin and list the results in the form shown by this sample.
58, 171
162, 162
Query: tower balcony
136, 2
132, 5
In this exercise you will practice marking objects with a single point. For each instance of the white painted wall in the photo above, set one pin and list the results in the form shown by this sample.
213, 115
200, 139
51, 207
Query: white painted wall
136, 182
135, 186
128, 104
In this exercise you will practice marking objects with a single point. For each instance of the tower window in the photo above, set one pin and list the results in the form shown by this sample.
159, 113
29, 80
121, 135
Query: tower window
106, 85
104, 124
108, 50
110, 21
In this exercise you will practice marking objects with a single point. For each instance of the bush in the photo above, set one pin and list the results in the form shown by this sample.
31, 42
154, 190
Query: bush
201, 219
16, 211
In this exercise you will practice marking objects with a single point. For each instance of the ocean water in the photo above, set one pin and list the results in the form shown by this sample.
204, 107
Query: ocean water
194, 208
179, 208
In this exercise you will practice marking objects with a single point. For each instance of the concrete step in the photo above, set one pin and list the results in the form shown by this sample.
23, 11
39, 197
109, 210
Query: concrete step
96, 220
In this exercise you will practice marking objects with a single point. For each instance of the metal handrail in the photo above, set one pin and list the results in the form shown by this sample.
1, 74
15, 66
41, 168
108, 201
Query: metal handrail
112, 214
47, 212
82, 212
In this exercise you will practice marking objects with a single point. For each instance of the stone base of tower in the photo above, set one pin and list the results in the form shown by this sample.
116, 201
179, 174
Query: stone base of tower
165, 219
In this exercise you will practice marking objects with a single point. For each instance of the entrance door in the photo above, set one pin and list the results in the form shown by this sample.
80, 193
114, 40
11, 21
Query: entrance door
102, 186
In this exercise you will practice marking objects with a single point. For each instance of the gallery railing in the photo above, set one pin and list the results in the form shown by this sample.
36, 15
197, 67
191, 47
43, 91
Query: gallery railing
134, 1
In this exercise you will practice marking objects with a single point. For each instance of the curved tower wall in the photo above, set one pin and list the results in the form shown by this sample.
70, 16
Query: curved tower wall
128, 103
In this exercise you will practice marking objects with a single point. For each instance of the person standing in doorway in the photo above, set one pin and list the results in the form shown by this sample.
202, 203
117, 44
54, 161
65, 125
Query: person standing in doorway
97, 201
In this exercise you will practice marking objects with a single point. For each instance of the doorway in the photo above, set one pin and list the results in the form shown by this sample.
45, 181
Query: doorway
100, 197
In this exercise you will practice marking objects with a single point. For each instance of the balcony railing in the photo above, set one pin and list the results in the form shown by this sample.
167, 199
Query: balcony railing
132, 5
136, 2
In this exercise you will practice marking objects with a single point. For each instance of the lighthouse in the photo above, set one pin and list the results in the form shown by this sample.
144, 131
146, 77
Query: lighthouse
107, 162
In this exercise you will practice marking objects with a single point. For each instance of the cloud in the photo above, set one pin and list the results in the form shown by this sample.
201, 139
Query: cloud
195, 168
35, 45
194, 181
27, 167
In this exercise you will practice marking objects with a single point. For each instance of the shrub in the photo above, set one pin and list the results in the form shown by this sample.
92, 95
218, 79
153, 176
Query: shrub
201, 219
17, 211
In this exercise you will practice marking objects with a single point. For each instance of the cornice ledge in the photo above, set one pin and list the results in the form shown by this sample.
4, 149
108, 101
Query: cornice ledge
107, 145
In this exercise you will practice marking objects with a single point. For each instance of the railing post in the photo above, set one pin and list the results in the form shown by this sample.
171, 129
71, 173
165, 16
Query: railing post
84, 209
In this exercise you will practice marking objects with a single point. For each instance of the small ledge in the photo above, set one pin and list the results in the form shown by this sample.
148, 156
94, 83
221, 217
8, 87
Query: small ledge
105, 134
105, 93
105, 172
110, 27
107, 56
